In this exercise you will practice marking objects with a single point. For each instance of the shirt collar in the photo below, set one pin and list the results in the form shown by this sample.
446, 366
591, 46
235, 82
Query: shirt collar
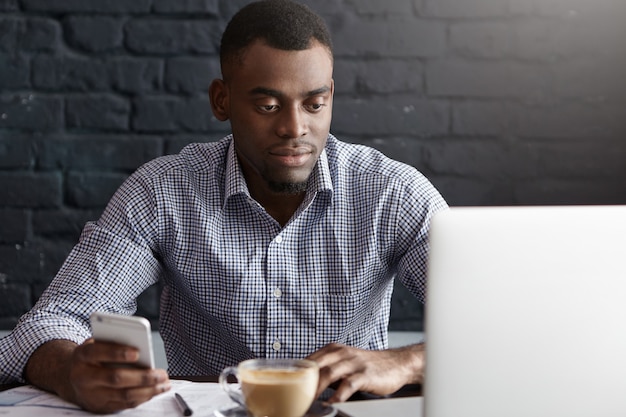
235, 182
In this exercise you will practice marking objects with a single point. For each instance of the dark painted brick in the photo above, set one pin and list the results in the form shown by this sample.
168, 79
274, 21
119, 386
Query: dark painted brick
135, 75
15, 298
537, 39
571, 120
469, 158
38, 289
187, 6
593, 79
148, 303
159, 36
454, 78
31, 34
378, 76
52, 253
327, 8
24, 263
459, 191
398, 116
32, 112
125, 74
463, 9
14, 225
191, 75
8, 323
567, 39
559, 192
70, 73
95, 34
586, 159
16, 151
407, 313
64, 223
482, 39
557, 8
92, 189
14, 72
86, 6
9, 6
176, 143
387, 7
169, 114
402, 38
472, 117
229, 8
98, 152
27, 189
497, 102
104, 112
34, 262
407, 150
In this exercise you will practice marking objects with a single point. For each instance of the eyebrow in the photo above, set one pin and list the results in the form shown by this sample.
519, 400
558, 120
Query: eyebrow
275, 93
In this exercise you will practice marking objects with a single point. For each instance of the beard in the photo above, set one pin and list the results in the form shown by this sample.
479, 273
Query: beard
288, 187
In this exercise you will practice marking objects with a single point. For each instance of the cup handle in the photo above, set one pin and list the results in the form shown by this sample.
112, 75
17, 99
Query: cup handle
228, 389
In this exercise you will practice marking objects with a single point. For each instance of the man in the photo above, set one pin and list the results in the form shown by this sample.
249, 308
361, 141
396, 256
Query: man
277, 241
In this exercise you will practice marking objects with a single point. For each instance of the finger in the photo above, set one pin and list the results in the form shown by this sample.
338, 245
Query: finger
328, 354
133, 378
104, 352
134, 396
336, 372
94, 377
348, 386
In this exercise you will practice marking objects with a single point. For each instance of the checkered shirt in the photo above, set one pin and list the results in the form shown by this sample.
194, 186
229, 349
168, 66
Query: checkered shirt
236, 284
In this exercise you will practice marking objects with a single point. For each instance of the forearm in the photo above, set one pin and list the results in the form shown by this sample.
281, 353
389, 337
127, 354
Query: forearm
412, 358
49, 368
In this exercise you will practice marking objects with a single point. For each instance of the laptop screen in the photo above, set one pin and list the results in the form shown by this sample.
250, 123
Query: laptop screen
526, 312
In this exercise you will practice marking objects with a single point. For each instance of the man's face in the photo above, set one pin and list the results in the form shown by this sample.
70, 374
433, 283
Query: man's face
280, 104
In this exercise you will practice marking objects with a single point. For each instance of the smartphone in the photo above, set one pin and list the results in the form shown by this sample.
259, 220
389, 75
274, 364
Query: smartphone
126, 330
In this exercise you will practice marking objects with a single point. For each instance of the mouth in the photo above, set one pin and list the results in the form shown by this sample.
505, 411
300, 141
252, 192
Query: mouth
292, 156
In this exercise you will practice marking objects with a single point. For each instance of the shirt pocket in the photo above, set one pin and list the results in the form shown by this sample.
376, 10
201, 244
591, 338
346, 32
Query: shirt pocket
345, 319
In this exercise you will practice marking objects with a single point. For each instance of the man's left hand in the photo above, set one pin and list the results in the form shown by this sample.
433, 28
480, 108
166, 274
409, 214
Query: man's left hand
379, 372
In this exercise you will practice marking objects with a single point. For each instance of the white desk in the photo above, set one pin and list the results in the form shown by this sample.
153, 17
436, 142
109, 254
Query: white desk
391, 407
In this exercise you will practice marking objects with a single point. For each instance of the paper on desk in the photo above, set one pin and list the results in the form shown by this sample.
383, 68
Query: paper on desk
202, 397
409, 406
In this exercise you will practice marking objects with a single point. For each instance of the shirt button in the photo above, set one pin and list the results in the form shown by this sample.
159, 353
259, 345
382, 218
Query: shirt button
278, 239
277, 293
276, 345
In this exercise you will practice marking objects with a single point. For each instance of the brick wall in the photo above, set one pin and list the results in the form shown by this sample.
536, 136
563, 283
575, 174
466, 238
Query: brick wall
496, 101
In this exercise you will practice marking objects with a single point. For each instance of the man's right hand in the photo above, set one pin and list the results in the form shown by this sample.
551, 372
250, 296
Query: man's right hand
84, 374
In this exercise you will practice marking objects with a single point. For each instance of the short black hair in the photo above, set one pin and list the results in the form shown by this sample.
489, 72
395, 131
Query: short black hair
282, 24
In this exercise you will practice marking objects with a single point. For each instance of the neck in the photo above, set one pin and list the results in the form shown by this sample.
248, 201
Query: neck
280, 206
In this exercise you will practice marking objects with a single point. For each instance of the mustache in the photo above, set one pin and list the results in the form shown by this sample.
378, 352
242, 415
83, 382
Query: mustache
294, 147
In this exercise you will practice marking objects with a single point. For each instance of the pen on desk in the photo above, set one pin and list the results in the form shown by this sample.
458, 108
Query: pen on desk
184, 408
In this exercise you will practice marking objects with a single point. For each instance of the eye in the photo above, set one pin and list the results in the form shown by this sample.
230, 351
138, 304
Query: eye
268, 108
315, 107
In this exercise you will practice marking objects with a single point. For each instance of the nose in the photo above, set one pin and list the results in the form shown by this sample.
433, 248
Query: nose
292, 123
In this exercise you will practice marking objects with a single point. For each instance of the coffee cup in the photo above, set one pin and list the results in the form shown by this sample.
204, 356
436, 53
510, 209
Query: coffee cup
273, 387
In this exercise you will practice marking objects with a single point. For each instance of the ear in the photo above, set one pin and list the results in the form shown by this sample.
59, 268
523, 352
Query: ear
218, 93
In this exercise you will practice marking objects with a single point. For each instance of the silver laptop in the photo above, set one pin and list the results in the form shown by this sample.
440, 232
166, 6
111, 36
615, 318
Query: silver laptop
526, 312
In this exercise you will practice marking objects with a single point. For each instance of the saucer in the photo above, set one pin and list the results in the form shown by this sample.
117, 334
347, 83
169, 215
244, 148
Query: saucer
318, 409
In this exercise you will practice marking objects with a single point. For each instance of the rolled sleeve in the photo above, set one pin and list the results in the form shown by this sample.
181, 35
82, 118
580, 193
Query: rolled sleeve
32, 331
102, 273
